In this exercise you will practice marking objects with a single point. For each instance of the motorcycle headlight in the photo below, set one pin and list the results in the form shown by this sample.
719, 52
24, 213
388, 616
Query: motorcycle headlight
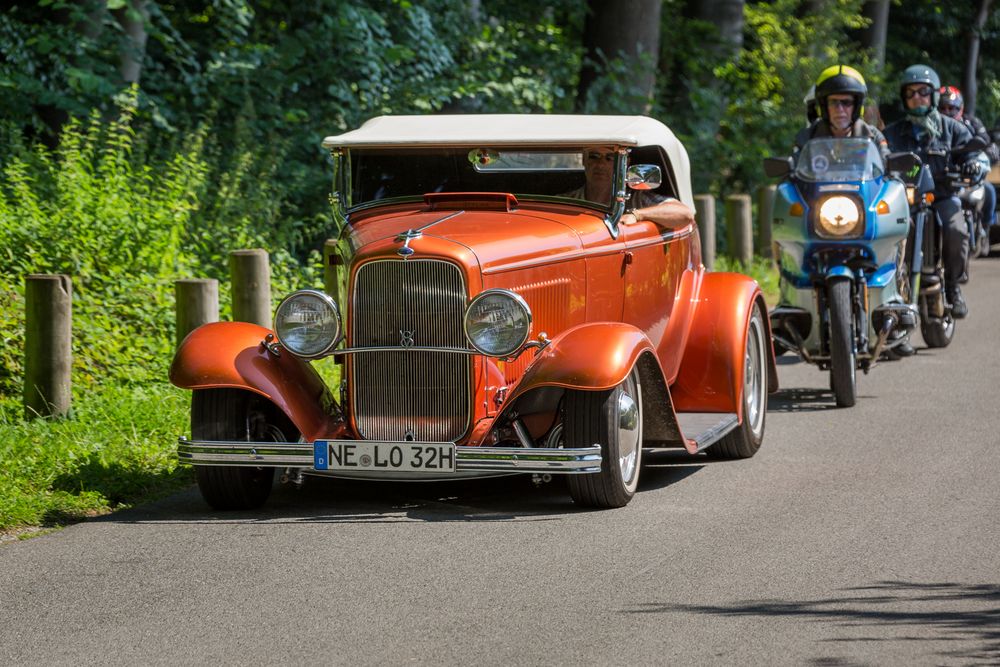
307, 323
840, 217
498, 322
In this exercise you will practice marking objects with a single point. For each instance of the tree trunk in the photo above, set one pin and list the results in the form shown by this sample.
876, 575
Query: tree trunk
626, 29
973, 38
727, 16
873, 37
133, 19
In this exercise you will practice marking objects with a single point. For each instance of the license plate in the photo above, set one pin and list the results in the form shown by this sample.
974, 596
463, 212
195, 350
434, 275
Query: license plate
384, 456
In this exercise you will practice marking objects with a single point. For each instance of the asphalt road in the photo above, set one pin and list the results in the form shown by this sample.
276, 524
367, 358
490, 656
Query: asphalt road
862, 536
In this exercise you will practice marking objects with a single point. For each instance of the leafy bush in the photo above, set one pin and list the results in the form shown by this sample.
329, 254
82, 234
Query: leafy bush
124, 224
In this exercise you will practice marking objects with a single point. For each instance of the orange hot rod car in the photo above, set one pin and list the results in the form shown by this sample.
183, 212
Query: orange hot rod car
490, 319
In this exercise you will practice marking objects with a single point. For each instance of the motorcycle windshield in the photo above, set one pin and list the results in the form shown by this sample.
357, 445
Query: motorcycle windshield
829, 160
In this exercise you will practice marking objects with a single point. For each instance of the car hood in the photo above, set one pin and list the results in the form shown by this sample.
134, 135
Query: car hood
498, 239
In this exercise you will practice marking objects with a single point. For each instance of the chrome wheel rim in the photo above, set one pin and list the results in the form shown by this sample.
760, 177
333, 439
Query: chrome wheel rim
754, 380
629, 431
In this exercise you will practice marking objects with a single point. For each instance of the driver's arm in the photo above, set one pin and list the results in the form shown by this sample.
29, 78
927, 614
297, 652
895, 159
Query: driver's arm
668, 213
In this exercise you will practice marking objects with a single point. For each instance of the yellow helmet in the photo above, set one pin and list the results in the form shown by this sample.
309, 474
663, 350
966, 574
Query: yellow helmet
844, 80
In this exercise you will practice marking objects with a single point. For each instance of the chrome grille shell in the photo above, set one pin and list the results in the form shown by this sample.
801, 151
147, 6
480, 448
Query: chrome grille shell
409, 394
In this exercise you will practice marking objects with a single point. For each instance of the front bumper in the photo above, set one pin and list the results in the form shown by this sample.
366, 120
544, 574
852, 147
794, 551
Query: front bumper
584, 460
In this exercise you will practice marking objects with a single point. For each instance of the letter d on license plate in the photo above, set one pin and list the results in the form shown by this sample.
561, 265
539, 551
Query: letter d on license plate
388, 457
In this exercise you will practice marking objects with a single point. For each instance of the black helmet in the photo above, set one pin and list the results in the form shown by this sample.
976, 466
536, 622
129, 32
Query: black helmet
843, 80
920, 74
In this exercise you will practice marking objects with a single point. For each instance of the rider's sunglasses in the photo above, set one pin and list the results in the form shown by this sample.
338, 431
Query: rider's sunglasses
925, 91
843, 104
596, 156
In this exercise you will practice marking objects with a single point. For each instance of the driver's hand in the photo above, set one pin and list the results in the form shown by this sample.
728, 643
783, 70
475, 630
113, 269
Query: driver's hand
628, 219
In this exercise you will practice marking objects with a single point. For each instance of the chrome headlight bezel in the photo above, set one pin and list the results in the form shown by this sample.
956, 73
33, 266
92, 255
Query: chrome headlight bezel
283, 335
849, 208
520, 331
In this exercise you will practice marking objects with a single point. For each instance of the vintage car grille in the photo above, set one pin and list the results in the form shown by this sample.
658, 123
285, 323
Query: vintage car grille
410, 394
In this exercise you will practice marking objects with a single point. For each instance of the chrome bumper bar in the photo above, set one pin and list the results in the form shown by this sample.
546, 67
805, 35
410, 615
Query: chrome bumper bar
300, 455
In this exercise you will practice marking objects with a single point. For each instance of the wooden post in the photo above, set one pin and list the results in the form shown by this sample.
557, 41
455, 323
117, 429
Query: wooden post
739, 228
765, 216
197, 302
705, 214
48, 351
251, 283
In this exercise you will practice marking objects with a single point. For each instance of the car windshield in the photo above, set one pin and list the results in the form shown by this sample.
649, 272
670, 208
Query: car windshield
839, 160
379, 174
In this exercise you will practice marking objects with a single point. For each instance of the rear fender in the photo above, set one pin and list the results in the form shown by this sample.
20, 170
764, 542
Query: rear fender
231, 354
711, 373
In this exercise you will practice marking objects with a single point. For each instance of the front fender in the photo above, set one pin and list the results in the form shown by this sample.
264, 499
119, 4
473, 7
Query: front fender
230, 354
711, 372
839, 271
593, 356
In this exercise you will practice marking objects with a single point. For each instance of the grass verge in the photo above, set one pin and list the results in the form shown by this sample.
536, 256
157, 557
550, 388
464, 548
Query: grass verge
119, 448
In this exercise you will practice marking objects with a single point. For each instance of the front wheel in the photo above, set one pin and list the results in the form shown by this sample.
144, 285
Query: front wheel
744, 441
235, 415
843, 358
612, 419
938, 332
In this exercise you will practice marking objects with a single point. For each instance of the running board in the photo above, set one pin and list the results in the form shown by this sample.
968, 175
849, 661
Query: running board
706, 428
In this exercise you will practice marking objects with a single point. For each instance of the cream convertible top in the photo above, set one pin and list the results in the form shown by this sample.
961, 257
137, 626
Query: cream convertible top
474, 130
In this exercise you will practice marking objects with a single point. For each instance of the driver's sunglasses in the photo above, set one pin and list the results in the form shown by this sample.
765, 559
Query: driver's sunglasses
921, 92
949, 110
843, 104
595, 156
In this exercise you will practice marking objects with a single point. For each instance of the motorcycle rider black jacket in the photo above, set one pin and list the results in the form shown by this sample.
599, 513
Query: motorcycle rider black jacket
935, 152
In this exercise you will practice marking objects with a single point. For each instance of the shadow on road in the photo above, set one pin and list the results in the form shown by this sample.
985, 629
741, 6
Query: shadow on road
327, 500
907, 611
801, 399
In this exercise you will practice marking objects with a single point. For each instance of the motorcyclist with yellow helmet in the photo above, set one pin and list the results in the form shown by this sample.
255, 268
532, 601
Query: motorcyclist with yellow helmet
840, 98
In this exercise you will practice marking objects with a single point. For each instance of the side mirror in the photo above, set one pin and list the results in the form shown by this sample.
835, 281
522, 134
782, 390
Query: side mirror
901, 163
778, 167
643, 177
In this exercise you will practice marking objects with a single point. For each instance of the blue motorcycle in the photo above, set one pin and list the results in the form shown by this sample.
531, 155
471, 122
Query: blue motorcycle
841, 219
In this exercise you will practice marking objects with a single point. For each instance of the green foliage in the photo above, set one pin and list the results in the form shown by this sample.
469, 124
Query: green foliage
760, 269
120, 449
124, 225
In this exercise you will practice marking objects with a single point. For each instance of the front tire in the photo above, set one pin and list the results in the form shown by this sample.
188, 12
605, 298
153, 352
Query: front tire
232, 414
612, 419
843, 358
938, 332
744, 441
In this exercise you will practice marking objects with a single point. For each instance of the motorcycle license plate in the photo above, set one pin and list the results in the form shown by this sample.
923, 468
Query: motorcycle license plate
381, 456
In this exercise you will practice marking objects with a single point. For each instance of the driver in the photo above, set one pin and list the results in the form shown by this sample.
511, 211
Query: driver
598, 168
840, 96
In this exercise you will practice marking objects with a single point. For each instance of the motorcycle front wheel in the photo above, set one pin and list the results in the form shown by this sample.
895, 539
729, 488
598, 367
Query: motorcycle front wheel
938, 332
843, 358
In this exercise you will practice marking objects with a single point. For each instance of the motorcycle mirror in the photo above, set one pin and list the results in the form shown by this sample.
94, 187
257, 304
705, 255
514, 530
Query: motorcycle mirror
974, 146
776, 167
901, 162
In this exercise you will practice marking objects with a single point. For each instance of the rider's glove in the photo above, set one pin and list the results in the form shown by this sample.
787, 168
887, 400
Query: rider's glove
972, 169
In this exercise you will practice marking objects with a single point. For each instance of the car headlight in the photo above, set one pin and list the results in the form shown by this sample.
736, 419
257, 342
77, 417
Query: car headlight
498, 322
840, 217
307, 323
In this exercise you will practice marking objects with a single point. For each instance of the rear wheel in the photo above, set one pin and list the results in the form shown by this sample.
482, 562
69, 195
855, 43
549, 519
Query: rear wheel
843, 358
235, 415
744, 441
612, 419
